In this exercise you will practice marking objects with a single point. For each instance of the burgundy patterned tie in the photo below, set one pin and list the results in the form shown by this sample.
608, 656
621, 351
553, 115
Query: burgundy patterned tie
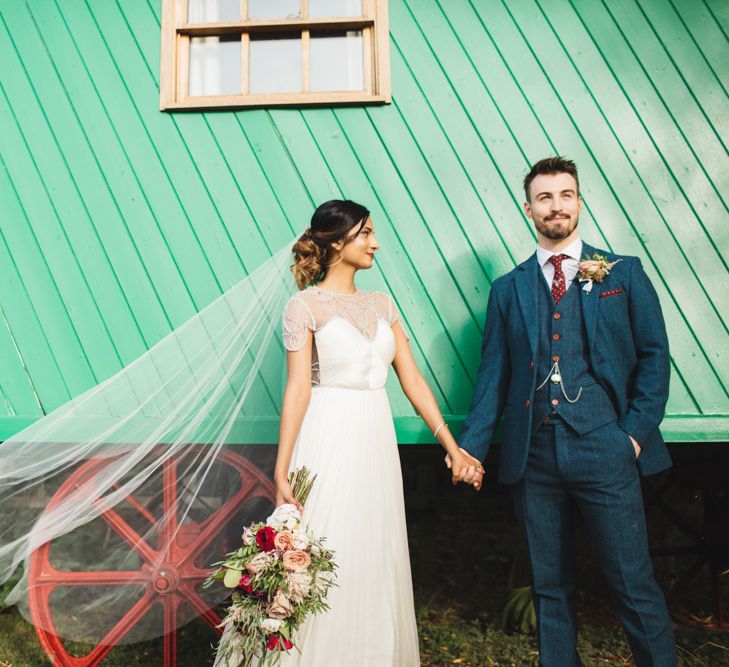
559, 284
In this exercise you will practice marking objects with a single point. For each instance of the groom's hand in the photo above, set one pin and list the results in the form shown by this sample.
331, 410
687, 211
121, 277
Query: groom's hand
465, 468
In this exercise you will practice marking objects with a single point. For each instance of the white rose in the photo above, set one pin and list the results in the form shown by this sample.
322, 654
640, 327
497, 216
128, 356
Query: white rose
260, 561
271, 625
249, 537
299, 583
302, 540
293, 524
284, 516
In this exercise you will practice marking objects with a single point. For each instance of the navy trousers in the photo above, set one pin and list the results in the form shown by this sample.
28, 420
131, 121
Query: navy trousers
597, 473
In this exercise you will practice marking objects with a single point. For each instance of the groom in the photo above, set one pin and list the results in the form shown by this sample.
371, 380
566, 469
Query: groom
579, 369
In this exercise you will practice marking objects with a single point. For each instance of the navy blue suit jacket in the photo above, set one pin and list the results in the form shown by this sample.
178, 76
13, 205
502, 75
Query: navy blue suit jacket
628, 354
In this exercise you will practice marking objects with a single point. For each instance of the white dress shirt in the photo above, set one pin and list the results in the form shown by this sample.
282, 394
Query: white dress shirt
569, 266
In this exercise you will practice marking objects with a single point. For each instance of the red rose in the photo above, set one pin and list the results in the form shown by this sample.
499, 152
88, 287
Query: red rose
279, 643
265, 538
246, 583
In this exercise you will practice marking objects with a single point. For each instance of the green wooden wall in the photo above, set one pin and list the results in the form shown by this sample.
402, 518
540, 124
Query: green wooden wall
118, 221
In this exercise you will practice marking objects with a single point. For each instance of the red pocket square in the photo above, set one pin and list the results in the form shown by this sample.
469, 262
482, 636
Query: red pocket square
612, 292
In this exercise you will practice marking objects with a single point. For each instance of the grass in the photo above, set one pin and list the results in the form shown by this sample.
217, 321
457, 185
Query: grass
462, 549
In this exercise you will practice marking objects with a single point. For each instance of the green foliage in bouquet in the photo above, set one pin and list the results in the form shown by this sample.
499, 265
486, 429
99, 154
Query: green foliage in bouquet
280, 576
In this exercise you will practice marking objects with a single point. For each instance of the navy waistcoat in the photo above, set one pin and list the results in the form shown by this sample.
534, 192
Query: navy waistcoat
562, 338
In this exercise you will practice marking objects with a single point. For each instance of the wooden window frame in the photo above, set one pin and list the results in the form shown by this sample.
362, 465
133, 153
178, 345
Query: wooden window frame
175, 57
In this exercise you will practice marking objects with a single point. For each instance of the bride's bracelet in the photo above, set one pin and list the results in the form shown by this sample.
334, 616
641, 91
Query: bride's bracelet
438, 428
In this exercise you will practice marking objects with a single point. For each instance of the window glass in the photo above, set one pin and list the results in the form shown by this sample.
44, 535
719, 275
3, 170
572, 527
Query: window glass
215, 65
210, 11
275, 63
273, 9
336, 60
334, 8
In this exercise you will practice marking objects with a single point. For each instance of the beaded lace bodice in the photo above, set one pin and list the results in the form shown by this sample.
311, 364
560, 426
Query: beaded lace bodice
353, 340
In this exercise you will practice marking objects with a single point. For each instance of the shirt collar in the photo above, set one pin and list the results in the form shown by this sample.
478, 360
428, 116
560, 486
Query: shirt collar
573, 251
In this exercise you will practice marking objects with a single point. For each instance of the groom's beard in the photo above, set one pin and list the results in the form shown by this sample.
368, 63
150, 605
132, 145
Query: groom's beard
556, 230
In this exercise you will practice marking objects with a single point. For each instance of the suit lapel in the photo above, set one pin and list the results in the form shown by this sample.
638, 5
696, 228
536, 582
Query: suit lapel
590, 301
526, 288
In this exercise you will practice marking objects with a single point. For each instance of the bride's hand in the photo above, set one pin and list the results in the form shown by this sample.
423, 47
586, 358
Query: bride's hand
465, 468
284, 494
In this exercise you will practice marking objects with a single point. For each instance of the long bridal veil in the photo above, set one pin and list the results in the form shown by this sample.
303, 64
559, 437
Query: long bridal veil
114, 504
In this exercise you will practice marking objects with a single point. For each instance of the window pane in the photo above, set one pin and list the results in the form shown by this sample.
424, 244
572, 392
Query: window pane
325, 8
275, 63
337, 60
210, 11
273, 9
215, 65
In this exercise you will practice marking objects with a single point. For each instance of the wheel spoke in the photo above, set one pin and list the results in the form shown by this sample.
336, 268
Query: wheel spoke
202, 607
253, 484
220, 517
195, 574
102, 578
99, 652
169, 520
129, 535
121, 628
139, 507
170, 604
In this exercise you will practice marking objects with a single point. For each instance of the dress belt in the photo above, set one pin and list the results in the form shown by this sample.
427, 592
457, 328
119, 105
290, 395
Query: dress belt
335, 386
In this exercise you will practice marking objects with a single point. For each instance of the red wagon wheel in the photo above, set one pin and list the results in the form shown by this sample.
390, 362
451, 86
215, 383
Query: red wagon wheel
168, 578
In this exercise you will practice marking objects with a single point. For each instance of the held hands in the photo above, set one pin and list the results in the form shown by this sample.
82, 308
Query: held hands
465, 468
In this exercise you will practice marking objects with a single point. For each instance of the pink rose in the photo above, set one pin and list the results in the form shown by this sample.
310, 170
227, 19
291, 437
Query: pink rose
590, 265
280, 607
284, 540
296, 560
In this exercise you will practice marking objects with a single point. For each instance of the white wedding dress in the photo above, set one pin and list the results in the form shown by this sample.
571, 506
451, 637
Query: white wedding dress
348, 439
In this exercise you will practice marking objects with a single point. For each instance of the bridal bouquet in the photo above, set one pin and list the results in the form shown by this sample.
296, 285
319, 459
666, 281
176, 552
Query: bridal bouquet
279, 576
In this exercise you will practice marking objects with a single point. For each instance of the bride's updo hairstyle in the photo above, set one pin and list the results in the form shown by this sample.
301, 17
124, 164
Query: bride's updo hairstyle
334, 221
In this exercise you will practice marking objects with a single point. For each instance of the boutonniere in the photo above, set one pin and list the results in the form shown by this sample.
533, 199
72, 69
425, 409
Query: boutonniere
594, 270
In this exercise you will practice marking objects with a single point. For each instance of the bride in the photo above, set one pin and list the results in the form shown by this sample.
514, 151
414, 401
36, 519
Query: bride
336, 420
132, 482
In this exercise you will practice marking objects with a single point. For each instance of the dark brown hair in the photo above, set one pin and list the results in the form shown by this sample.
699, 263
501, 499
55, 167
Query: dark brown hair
332, 222
551, 165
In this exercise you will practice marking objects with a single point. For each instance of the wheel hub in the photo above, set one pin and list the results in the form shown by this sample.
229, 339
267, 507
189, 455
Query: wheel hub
166, 579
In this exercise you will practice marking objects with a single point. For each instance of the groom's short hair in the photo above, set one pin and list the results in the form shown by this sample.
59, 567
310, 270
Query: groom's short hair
551, 165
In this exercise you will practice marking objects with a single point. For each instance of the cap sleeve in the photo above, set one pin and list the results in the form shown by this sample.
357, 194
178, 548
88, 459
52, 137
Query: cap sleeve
393, 315
297, 318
